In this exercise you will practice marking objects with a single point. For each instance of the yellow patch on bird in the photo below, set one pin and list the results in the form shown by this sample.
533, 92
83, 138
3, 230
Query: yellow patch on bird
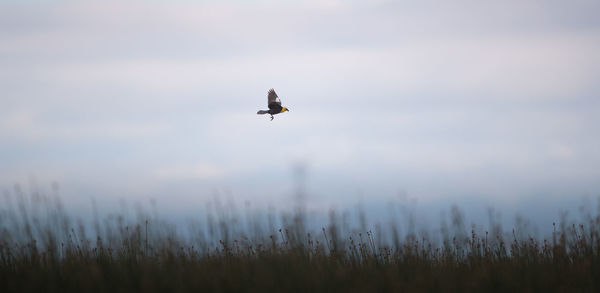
283, 109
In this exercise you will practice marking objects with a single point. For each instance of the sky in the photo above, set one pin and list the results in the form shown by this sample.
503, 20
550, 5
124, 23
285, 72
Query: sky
435, 102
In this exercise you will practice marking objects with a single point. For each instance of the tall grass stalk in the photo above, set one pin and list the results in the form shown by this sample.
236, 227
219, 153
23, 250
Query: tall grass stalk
42, 248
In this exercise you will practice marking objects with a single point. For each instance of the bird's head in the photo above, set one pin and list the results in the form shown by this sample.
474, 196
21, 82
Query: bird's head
284, 109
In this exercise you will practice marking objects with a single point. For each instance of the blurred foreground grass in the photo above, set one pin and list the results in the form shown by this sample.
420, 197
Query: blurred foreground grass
43, 249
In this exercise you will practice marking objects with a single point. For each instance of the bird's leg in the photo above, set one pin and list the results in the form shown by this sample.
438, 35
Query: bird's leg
272, 117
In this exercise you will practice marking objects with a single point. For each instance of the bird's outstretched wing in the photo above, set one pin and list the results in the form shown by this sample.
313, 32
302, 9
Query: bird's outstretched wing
273, 99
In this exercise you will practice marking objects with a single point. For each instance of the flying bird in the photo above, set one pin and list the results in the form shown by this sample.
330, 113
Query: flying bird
274, 105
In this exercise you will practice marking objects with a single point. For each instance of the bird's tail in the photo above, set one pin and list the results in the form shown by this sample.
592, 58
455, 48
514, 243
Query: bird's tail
260, 112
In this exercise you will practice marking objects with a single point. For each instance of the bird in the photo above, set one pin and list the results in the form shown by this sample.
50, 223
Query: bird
274, 105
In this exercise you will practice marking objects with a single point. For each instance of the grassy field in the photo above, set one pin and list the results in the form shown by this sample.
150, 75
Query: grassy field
43, 249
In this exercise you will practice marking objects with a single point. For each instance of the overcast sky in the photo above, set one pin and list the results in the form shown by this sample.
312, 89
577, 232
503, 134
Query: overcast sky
438, 101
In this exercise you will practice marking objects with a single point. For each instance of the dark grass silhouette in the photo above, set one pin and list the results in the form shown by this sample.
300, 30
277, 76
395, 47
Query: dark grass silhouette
42, 248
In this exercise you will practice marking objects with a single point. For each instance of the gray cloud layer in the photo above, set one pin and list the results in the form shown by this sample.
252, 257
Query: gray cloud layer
442, 100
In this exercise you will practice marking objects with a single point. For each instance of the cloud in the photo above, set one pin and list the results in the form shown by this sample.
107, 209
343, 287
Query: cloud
189, 171
504, 93
28, 126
